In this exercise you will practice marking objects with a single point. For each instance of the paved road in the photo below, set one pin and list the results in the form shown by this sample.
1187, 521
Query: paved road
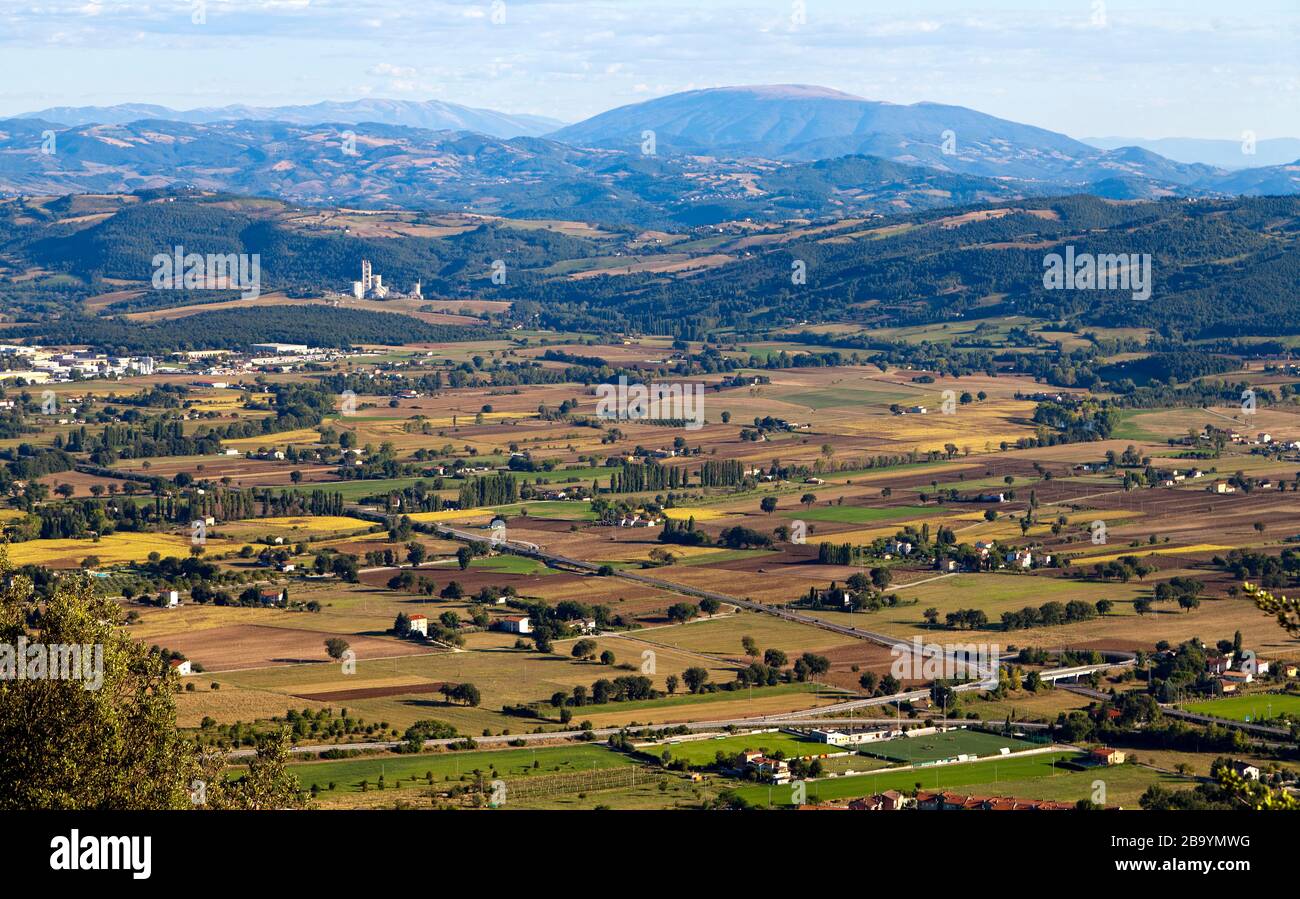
532, 551
605, 732
1225, 722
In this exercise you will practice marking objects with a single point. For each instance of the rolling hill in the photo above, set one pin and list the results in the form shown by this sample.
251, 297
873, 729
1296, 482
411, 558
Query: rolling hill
393, 167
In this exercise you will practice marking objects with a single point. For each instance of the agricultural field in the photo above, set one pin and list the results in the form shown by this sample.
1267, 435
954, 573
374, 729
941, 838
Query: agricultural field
1250, 707
109, 549
347, 775
854, 471
1039, 776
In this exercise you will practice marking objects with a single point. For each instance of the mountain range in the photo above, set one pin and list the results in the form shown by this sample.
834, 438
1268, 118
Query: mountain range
761, 152
1226, 154
431, 114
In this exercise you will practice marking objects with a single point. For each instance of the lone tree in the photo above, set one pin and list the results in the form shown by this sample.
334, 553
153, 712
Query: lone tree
767, 504
114, 745
336, 646
695, 678
402, 624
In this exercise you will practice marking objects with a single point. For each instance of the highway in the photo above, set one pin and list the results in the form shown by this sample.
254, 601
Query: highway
762, 721
805, 717
531, 550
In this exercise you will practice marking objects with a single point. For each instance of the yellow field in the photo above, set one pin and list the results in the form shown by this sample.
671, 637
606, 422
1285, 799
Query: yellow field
1141, 551
451, 515
219, 401
316, 524
233, 703
683, 514
112, 548
157, 624
302, 435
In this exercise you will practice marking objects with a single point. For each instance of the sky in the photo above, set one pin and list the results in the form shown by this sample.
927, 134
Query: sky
1087, 68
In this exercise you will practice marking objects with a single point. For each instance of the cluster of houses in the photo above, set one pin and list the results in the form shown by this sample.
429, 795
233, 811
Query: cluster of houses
1233, 673
1175, 477
1263, 438
640, 520
1024, 559
41, 366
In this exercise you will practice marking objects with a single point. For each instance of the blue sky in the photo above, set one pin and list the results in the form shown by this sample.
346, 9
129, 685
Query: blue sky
1084, 67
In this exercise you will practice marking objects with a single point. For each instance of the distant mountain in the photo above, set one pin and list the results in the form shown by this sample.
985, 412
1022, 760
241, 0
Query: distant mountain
1225, 154
1271, 181
798, 122
393, 167
772, 153
432, 114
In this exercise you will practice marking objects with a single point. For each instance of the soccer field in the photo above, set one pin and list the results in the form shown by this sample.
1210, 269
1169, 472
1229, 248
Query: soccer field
933, 747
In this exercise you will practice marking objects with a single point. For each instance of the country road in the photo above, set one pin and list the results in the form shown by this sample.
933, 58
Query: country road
805, 716
530, 550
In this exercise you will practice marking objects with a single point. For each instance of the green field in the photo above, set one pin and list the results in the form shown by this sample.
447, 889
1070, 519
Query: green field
511, 565
701, 753
723, 555
347, 774
1257, 707
938, 777
572, 511
933, 747
353, 491
859, 514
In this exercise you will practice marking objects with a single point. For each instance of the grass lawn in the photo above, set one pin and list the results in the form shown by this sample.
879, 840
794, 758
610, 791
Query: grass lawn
701, 753
574, 511
356, 489
508, 564
1252, 707
347, 774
